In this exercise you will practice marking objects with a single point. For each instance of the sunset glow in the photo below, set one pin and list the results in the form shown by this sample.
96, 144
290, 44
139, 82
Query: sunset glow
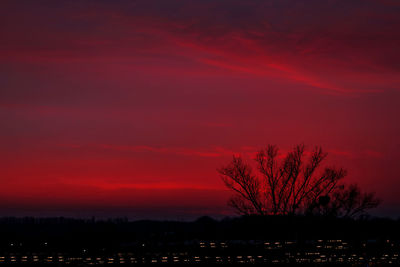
127, 108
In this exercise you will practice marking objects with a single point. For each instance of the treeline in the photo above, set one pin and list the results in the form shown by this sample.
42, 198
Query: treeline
46, 233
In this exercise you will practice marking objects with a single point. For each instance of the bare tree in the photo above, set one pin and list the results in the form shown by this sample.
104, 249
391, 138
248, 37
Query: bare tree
292, 184
345, 201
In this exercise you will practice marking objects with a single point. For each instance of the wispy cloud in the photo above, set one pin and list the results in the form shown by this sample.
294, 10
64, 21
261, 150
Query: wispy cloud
365, 153
267, 39
200, 152
108, 185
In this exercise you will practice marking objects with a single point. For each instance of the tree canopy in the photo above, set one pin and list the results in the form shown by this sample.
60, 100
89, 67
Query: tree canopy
295, 183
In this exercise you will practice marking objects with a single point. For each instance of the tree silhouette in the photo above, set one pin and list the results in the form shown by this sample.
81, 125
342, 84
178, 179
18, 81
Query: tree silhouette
293, 184
347, 201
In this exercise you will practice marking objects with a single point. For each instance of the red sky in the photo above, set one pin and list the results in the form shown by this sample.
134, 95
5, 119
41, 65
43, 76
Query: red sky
127, 108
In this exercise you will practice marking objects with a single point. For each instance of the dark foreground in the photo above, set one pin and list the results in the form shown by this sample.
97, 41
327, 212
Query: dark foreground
267, 241
207, 264
201, 265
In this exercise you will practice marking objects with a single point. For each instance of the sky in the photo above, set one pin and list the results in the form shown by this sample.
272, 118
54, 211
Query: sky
128, 108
